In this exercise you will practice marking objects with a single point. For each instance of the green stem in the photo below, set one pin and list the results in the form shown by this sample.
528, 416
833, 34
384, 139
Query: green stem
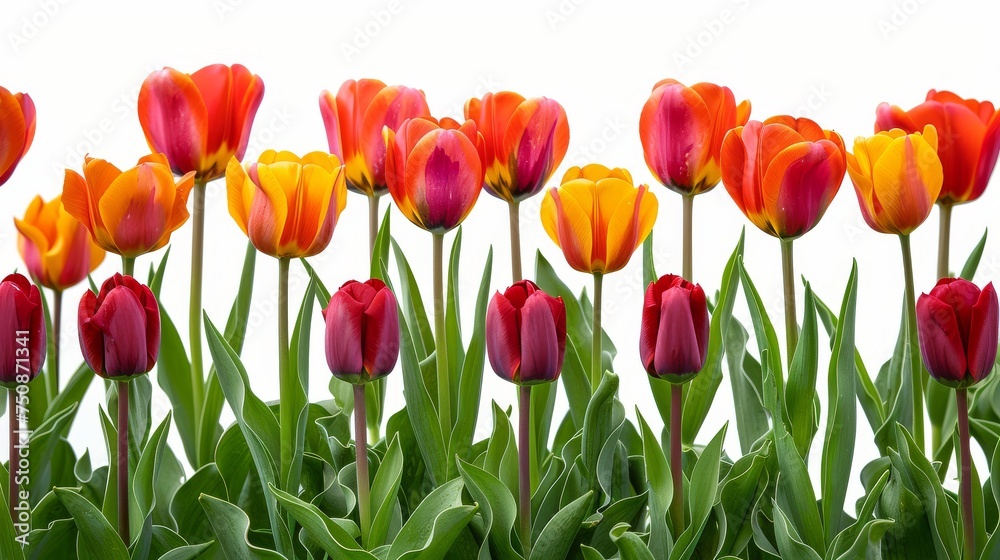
916, 365
676, 466
688, 262
52, 382
515, 241
596, 352
965, 482
361, 456
944, 236
15, 427
128, 266
286, 380
123, 502
788, 278
194, 303
524, 467
441, 338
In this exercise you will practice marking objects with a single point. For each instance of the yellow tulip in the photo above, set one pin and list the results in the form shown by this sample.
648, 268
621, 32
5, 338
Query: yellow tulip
57, 249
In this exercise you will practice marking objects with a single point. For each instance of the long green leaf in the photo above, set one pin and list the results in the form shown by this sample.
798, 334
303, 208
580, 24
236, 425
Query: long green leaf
97, 540
801, 391
559, 533
661, 490
230, 526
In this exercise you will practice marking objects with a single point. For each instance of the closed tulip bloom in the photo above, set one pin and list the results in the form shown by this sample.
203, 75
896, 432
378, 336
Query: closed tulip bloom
957, 327
362, 331
682, 129
526, 334
57, 249
897, 178
434, 171
783, 173
673, 339
598, 218
355, 118
968, 139
129, 212
288, 206
525, 140
22, 328
202, 120
17, 130
120, 329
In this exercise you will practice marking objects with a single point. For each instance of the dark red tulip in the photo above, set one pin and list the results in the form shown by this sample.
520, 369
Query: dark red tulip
673, 340
22, 331
362, 331
526, 334
120, 329
957, 328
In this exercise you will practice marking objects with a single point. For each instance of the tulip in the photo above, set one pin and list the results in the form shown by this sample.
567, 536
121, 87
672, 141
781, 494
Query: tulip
22, 352
120, 340
598, 219
897, 178
957, 323
435, 173
17, 130
288, 206
128, 213
57, 249
673, 345
525, 141
362, 345
525, 340
969, 133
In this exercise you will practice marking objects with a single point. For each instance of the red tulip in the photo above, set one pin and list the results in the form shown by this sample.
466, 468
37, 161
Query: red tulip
362, 331
673, 339
201, 120
957, 328
526, 334
17, 130
120, 329
22, 331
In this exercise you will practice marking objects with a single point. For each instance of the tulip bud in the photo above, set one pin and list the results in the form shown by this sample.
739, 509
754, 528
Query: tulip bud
526, 334
673, 340
362, 331
120, 329
22, 331
957, 328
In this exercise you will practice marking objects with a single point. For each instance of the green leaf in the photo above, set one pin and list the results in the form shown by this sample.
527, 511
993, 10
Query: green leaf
741, 492
972, 263
230, 526
72, 392
598, 425
557, 537
380, 256
190, 552
190, 518
331, 535
48, 451
789, 543
745, 379
767, 338
9, 547
496, 505
96, 540
702, 491
801, 391
452, 317
147, 472
589, 553
630, 546
661, 490
413, 307
383, 495
173, 374
501, 451
434, 525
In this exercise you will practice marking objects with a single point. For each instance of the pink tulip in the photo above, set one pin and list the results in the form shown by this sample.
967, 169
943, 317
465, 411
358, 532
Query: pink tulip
526, 334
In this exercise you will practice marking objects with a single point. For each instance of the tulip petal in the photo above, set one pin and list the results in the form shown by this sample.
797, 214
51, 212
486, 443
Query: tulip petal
389, 108
676, 129
13, 132
444, 176
535, 142
799, 185
174, 118
629, 226
568, 223
988, 153
940, 340
982, 341
677, 350
344, 318
503, 342
381, 334
135, 208
539, 342
650, 327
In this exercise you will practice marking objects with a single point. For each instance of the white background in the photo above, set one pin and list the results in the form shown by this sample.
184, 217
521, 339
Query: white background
83, 63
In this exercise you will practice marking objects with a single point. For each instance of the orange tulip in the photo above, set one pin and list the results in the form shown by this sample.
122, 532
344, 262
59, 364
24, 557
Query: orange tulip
434, 171
598, 218
129, 213
200, 120
57, 249
682, 129
897, 178
354, 120
783, 173
288, 206
968, 139
525, 141
17, 130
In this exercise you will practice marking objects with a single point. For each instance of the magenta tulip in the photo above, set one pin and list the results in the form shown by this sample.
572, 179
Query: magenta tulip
673, 339
22, 326
957, 329
362, 331
120, 329
526, 334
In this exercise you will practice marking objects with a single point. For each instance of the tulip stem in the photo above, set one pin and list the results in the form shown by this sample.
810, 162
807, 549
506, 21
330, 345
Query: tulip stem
524, 467
916, 365
441, 339
688, 260
286, 387
128, 266
596, 352
372, 226
15, 427
944, 240
788, 279
194, 303
676, 461
965, 483
515, 240
123, 502
53, 380
361, 456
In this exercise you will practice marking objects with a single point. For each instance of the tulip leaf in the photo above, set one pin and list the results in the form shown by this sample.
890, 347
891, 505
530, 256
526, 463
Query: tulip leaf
298, 365
497, 506
383, 495
501, 456
10, 546
661, 490
742, 490
413, 307
767, 338
895, 387
453, 323
800, 394
230, 525
375, 391
630, 546
173, 374
146, 474
329, 534
789, 542
48, 450
701, 390
380, 254
701, 497
434, 525
598, 425
560, 531
96, 539
972, 263
189, 552
190, 518
847, 543
55, 540
745, 379
589, 553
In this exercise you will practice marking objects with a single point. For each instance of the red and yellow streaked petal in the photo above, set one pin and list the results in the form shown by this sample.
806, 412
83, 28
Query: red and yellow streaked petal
569, 225
676, 131
389, 108
628, 224
799, 185
174, 118
444, 177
